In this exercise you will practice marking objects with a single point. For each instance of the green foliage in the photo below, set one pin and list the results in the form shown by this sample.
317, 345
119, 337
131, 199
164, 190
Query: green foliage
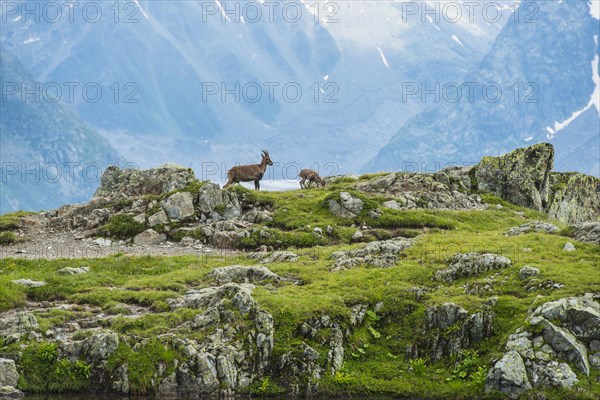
144, 362
41, 370
266, 387
417, 366
468, 367
122, 226
412, 219
8, 223
473, 178
280, 239
7, 238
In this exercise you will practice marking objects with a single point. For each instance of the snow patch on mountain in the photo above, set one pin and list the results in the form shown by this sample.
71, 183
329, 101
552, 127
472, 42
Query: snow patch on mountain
382, 57
595, 8
594, 100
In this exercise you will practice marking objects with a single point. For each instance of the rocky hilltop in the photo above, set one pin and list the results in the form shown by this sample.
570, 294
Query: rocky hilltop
472, 282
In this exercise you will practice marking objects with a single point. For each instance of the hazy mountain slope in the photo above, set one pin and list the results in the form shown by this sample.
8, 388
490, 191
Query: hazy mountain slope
48, 154
174, 48
558, 54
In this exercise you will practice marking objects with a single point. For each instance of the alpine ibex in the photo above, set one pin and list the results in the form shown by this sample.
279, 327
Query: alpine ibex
250, 172
310, 176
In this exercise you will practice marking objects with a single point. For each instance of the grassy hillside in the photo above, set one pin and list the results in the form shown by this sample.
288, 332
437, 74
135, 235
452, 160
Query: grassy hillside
375, 360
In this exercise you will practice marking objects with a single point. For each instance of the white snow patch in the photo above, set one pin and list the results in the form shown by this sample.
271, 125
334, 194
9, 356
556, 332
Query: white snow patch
457, 40
594, 101
137, 3
382, 57
595, 8
529, 139
16, 19
31, 40
325, 77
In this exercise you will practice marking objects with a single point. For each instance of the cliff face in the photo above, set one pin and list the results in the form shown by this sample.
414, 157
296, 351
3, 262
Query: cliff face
524, 177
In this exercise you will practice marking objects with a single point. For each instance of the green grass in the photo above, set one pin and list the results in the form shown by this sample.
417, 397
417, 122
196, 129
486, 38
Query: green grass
375, 360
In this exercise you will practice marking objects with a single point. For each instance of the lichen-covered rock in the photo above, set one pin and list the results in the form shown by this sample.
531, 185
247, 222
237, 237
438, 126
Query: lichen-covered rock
149, 237
243, 274
347, 207
553, 374
9, 392
8, 373
521, 177
464, 265
574, 197
566, 345
126, 183
157, 218
527, 272
179, 206
276, 256
569, 247
444, 316
587, 232
381, 254
237, 347
413, 190
534, 226
101, 345
508, 376
73, 271
448, 329
564, 335
211, 198
13, 326
29, 283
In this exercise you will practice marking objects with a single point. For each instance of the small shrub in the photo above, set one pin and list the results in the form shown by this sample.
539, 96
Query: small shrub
417, 366
147, 359
7, 238
266, 387
43, 371
8, 223
122, 226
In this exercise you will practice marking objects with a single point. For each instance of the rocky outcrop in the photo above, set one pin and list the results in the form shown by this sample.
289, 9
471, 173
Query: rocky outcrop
508, 376
527, 272
380, 254
587, 232
534, 226
346, 207
149, 237
524, 177
8, 373
73, 271
412, 190
448, 329
233, 355
28, 283
276, 256
126, 183
243, 274
179, 206
214, 203
574, 197
14, 326
521, 177
9, 392
464, 265
561, 336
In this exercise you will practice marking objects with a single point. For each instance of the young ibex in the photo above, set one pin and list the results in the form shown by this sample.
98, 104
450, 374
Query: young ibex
310, 176
250, 172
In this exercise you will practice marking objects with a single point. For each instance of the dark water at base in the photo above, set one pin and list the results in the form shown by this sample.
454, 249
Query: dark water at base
116, 397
